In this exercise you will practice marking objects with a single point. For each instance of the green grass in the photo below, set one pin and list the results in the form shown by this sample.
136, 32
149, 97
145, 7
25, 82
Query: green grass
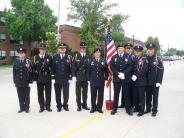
6, 66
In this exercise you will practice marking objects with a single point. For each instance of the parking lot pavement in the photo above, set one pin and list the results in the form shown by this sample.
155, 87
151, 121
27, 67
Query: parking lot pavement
168, 124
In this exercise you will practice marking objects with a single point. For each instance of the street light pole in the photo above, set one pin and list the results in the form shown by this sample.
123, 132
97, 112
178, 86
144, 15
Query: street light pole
133, 40
58, 19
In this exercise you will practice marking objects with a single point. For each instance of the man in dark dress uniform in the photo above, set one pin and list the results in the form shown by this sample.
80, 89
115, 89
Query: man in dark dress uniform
154, 77
121, 68
22, 76
97, 74
79, 73
42, 70
61, 68
140, 68
129, 51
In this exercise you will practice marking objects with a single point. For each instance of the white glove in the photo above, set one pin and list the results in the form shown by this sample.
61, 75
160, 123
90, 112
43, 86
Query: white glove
158, 84
74, 79
69, 81
121, 75
53, 80
134, 78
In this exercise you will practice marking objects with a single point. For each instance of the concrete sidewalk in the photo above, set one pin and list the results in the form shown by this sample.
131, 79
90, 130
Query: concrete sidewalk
168, 124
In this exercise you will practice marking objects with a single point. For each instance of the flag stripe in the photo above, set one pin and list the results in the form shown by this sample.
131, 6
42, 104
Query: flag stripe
111, 50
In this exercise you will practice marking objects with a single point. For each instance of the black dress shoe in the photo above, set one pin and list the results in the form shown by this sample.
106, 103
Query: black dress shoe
100, 111
20, 111
86, 108
92, 110
121, 106
49, 110
154, 114
140, 114
59, 110
113, 112
78, 109
130, 113
27, 110
66, 108
41, 110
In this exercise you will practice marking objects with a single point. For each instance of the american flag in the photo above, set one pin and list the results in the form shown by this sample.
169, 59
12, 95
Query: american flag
111, 50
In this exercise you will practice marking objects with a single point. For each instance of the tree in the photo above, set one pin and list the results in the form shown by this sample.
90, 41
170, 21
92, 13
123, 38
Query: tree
156, 42
118, 34
94, 17
30, 20
116, 22
52, 42
119, 38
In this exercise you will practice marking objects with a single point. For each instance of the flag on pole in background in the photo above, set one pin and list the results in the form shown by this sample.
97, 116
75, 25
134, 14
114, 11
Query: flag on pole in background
110, 51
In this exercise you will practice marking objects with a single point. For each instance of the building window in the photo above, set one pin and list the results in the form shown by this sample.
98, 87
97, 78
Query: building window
13, 53
17, 41
2, 21
2, 54
2, 38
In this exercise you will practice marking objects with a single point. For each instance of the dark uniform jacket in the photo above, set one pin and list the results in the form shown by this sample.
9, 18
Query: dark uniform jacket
61, 68
140, 68
155, 70
97, 72
42, 68
80, 66
123, 65
130, 56
22, 73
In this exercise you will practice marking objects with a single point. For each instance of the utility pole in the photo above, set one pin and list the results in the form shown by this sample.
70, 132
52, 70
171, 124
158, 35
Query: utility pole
133, 40
58, 23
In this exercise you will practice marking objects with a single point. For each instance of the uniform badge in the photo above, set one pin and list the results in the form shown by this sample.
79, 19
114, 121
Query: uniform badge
154, 63
47, 60
140, 62
92, 63
126, 60
102, 63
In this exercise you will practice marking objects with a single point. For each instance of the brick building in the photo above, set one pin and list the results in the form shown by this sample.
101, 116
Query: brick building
8, 44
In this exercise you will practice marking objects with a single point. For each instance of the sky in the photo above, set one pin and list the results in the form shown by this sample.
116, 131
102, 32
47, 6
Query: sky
158, 18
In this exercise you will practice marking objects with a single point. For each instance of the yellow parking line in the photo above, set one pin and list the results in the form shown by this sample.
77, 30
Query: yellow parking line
82, 125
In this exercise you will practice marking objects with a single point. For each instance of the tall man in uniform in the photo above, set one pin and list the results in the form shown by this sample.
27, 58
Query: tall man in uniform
97, 74
42, 70
154, 77
121, 68
22, 76
130, 56
61, 68
140, 68
79, 73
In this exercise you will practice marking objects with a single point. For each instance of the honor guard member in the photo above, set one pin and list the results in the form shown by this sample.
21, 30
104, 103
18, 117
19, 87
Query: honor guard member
154, 78
121, 68
22, 76
79, 73
61, 68
129, 51
140, 68
42, 70
97, 74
